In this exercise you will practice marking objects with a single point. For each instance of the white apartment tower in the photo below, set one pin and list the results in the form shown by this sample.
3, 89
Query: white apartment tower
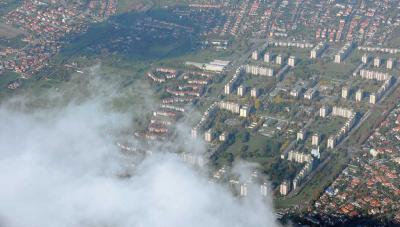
359, 95
338, 58
294, 183
389, 63
227, 89
254, 92
244, 111
365, 58
279, 60
323, 111
264, 189
208, 135
254, 55
313, 54
318, 50
372, 98
292, 61
194, 133
315, 139
344, 52
243, 190
241, 90
301, 135
284, 188
345, 92
267, 57
377, 62
331, 142
222, 137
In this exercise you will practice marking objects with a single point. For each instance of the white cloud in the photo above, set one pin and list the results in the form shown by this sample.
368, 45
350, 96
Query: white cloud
60, 168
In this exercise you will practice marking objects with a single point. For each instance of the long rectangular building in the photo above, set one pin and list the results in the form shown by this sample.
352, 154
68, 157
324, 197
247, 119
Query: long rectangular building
230, 106
259, 70
342, 112
374, 75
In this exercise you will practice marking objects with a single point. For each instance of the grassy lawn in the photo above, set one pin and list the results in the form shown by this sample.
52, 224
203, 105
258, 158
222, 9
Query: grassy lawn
327, 126
331, 70
259, 150
394, 39
289, 51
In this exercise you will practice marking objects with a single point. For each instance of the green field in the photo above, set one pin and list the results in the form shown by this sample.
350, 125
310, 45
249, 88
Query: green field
121, 36
327, 127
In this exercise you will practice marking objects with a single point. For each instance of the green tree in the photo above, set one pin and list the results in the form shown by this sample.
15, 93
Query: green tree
257, 104
246, 137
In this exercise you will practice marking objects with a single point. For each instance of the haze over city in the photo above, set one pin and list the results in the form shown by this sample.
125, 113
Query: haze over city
199, 113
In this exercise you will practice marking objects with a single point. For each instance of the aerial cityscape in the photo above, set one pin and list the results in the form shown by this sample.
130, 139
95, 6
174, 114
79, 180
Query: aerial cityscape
200, 113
